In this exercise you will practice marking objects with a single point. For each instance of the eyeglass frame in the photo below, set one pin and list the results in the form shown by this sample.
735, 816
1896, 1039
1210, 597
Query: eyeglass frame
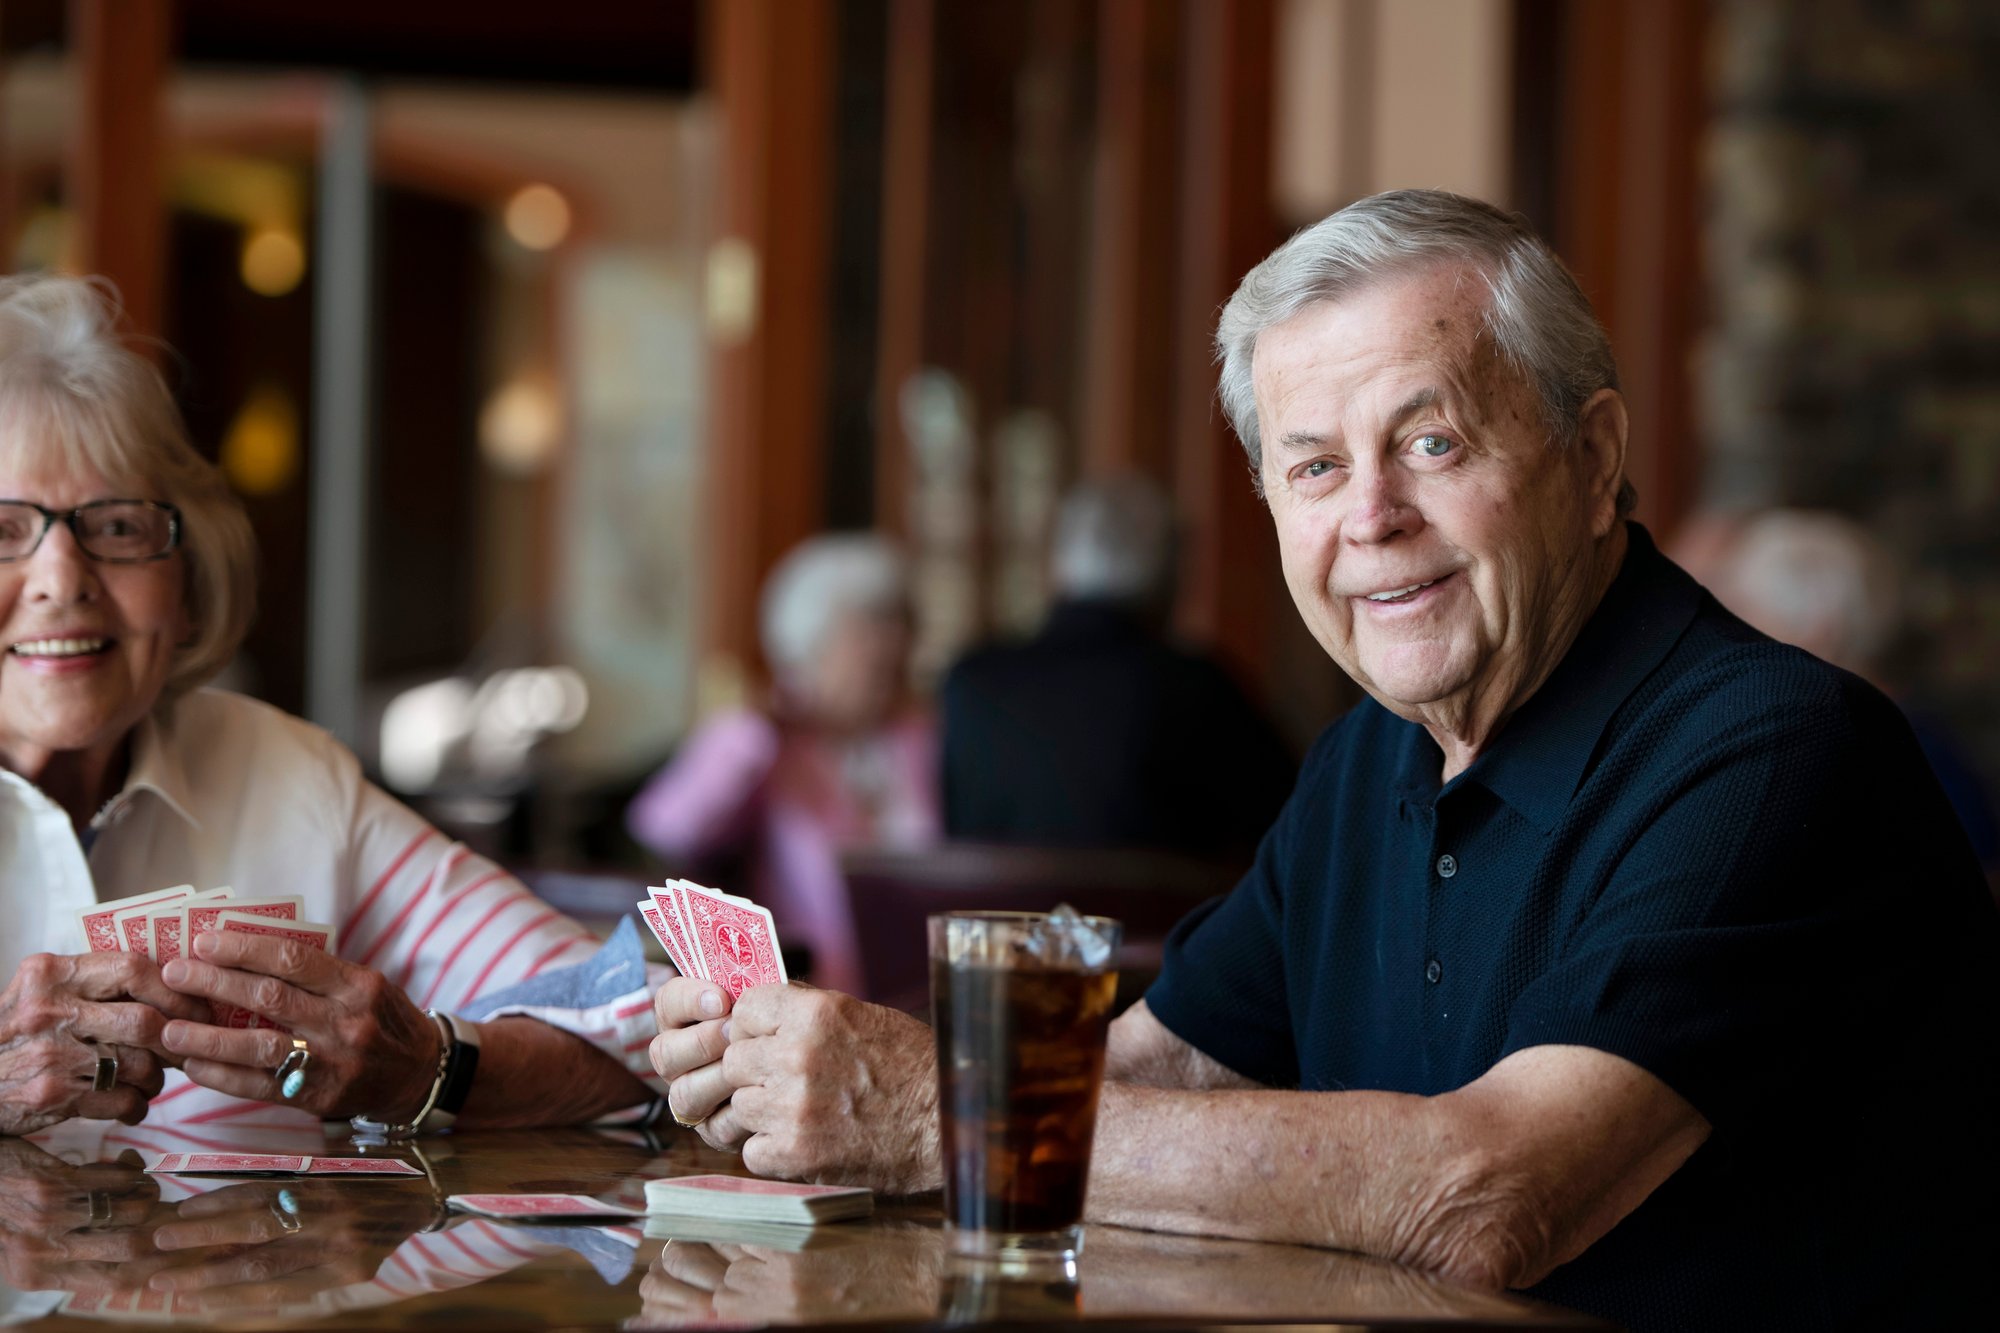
69, 519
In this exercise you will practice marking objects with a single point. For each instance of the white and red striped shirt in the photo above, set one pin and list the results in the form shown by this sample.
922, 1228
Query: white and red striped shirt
226, 790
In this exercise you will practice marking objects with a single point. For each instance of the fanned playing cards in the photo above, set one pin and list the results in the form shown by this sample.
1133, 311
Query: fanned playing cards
715, 936
159, 925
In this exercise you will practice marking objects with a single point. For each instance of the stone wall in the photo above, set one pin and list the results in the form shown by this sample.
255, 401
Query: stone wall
1853, 356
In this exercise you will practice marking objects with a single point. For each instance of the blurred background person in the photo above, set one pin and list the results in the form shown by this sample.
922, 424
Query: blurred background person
840, 760
1822, 582
1100, 731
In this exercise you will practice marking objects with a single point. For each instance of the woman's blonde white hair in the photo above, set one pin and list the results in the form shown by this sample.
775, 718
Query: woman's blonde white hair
819, 581
75, 398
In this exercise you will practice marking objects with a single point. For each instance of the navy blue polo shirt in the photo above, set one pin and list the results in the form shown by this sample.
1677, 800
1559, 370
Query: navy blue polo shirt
1711, 854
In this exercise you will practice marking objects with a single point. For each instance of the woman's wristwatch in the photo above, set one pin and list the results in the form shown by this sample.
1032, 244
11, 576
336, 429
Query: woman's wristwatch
458, 1062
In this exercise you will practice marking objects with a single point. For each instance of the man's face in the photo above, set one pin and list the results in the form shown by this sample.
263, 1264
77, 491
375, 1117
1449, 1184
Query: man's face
1434, 540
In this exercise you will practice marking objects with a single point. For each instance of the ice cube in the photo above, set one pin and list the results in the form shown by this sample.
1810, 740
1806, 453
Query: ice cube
1066, 937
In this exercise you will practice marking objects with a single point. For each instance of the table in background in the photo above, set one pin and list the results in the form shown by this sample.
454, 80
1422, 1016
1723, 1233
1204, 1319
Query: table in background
355, 1253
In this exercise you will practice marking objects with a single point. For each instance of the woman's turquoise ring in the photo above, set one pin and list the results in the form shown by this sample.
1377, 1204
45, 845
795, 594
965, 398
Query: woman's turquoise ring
291, 1071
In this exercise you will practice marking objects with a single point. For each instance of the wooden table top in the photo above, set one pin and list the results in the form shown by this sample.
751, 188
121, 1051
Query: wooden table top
92, 1240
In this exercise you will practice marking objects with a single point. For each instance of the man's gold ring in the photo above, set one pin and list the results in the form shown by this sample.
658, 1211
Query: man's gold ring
105, 1077
684, 1124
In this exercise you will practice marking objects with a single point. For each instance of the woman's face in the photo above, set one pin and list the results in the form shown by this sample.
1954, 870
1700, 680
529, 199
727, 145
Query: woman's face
85, 646
856, 679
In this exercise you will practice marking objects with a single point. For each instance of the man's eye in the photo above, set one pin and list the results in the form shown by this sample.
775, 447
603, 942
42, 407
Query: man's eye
1319, 467
1433, 446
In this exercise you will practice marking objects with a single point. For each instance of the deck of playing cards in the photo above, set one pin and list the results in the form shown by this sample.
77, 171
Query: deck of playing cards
741, 1199
543, 1207
272, 1164
159, 925
716, 936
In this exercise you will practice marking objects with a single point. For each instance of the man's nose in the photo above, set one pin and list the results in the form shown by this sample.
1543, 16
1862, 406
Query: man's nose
1380, 504
59, 571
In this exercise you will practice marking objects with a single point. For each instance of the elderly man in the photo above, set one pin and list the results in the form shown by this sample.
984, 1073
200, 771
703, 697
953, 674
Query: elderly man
1610, 950
1101, 731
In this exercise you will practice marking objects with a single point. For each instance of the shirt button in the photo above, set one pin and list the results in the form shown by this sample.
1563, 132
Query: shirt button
1447, 866
1434, 971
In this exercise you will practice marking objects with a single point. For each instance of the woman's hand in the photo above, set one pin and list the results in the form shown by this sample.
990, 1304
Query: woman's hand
60, 1014
374, 1052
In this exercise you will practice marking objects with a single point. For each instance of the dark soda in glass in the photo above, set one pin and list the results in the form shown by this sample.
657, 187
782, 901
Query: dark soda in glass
1020, 1062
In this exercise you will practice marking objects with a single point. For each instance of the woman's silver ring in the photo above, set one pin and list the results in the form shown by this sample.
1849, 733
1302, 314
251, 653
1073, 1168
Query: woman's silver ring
291, 1071
105, 1077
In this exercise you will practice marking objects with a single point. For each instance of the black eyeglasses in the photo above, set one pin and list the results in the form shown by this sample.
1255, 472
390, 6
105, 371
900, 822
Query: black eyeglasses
118, 532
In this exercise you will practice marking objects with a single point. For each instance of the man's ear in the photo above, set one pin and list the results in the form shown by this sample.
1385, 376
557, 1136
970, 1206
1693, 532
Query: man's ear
1602, 430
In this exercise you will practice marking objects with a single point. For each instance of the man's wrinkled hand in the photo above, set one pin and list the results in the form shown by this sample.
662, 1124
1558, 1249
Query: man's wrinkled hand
829, 1089
688, 1051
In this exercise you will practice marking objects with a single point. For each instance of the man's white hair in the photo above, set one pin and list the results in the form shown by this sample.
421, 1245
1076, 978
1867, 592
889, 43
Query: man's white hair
1114, 541
1538, 318
822, 579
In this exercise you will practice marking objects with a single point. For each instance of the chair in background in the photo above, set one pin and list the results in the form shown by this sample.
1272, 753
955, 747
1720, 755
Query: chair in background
893, 893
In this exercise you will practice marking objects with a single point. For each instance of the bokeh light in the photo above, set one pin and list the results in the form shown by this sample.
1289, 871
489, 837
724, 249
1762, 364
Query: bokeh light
537, 217
274, 260
520, 425
260, 453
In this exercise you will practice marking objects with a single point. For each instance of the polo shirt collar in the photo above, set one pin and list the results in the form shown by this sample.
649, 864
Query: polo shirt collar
156, 767
1539, 760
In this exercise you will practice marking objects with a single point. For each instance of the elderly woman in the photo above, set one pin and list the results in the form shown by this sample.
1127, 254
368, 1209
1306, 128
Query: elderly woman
126, 571
839, 762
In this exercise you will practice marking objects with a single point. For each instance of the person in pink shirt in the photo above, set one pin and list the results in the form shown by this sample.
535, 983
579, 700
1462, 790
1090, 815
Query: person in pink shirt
840, 760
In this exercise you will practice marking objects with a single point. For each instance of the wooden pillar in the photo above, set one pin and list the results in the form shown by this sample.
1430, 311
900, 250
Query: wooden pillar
1232, 593
1658, 271
770, 73
1129, 353
122, 49
1624, 186
906, 187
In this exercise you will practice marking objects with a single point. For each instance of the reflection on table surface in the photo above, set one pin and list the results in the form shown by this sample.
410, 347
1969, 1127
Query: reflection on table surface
86, 1236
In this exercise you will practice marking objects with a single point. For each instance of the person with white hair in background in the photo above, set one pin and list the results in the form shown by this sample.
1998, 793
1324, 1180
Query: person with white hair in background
1823, 582
1100, 731
840, 760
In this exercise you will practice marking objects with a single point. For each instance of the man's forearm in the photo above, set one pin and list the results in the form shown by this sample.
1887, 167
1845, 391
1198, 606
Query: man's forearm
533, 1074
1493, 1184
1368, 1171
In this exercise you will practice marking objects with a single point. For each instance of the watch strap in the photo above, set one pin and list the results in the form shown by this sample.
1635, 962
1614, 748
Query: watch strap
461, 1066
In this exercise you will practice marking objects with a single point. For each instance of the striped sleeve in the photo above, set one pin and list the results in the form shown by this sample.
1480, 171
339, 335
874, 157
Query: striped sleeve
448, 927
